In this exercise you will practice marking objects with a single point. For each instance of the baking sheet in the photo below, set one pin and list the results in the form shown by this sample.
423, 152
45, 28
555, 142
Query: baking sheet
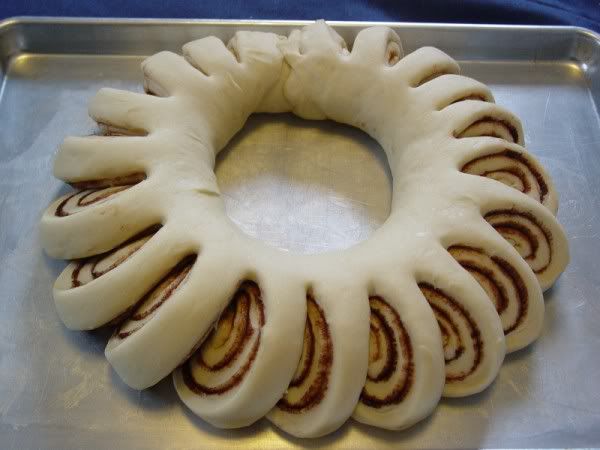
297, 185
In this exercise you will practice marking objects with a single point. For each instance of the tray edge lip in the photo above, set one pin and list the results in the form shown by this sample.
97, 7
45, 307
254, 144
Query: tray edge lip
78, 20
6, 24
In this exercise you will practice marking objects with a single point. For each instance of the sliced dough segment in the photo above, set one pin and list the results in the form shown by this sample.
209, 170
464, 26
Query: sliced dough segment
101, 157
156, 297
471, 118
245, 82
306, 52
501, 282
140, 113
259, 53
210, 56
96, 220
95, 192
537, 236
244, 366
228, 352
507, 280
406, 371
530, 228
472, 336
526, 235
166, 74
171, 318
324, 390
377, 45
389, 347
460, 334
310, 381
320, 38
94, 291
87, 270
490, 126
425, 64
514, 167
448, 89
319, 49
246, 50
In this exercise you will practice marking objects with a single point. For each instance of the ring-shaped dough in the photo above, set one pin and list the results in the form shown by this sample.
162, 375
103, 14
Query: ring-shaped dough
378, 331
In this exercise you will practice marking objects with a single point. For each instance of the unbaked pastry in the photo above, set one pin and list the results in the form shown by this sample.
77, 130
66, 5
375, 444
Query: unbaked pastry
427, 306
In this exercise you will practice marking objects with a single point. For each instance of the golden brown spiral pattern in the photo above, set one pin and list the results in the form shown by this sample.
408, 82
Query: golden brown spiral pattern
513, 169
156, 297
526, 234
391, 367
88, 269
461, 337
492, 127
499, 279
309, 384
228, 352
95, 191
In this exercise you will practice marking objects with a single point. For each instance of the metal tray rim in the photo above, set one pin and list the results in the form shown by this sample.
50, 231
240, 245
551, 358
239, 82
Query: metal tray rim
63, 20
574, 38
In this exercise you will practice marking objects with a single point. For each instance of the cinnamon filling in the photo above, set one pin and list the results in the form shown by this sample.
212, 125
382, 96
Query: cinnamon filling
461, 338
499, 279
392, 53
492, 127
88, 269
107, 129
511, 168
391, 367
526, 234
227, 354
95, 191
310, 382
475, 97
156, 297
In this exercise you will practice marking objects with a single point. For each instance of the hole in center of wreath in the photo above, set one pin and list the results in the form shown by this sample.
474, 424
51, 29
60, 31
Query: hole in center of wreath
304, 186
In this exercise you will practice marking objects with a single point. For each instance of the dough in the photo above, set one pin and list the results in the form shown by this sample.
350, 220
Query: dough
426, 307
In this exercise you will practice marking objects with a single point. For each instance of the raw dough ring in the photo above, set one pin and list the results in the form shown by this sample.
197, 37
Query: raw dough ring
382, 329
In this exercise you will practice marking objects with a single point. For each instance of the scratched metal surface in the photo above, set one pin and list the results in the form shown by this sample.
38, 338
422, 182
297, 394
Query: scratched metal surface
301, 186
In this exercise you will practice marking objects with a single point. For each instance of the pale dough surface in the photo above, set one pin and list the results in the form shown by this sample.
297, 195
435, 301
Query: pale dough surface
201, 100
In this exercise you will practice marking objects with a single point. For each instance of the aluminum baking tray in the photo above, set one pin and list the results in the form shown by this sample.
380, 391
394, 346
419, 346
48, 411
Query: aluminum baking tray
290, 183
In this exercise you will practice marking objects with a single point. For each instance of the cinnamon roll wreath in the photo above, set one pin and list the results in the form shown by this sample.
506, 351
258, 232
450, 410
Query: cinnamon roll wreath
426, 307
